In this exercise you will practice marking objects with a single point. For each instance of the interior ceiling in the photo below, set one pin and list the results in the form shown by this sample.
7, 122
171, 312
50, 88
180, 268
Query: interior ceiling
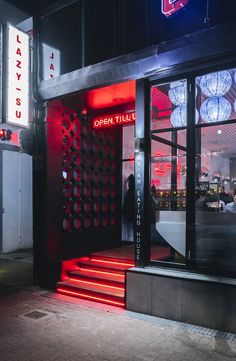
31, 6
111, 96
220, 139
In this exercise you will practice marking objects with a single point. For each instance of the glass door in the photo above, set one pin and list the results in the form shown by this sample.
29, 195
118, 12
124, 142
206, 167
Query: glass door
168, 172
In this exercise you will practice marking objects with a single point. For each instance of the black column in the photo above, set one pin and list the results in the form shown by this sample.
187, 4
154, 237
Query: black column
142, 174
174, 171
191, 171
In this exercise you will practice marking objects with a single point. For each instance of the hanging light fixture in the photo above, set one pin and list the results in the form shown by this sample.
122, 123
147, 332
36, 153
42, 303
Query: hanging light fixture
178, 92
178, 117
216, 84
204, 172
215, 109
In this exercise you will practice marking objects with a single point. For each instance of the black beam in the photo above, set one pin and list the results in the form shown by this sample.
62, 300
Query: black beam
170, 143
190, 186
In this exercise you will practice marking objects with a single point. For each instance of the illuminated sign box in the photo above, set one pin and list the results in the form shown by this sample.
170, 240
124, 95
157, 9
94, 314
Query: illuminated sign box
51, 62
114, 120
170, 7
16, 76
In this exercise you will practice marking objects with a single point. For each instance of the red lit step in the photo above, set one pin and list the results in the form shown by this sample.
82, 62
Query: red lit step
98, 274
79, 278
70, 289
111, 261
109, 267
97, 286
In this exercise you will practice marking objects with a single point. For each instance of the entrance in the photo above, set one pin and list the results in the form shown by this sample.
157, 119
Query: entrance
89, 157
168, 171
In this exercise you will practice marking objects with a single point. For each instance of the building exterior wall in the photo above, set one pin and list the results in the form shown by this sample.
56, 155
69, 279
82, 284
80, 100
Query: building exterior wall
148, 291
16, 162
202, 300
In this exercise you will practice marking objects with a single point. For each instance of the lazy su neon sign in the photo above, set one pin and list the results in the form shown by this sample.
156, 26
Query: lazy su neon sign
170, 7
17, 79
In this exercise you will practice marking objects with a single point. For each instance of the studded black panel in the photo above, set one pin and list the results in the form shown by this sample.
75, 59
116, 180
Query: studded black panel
89, 175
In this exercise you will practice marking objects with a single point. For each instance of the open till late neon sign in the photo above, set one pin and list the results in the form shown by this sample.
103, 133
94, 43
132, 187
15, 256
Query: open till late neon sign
170, 7
114, 120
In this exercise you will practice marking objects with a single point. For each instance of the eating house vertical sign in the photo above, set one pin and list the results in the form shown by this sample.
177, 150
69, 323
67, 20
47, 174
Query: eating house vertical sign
17, 76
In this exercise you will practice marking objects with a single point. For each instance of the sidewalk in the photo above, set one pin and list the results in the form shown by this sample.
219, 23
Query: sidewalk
37, 325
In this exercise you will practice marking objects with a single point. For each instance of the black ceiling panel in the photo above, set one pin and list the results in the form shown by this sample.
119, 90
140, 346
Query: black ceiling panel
32, 7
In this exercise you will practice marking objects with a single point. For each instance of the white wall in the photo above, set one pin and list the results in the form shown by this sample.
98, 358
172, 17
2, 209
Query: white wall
16, 201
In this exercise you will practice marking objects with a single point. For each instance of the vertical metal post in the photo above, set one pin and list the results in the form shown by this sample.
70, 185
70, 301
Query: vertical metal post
190, 187
1, 200
83, 59
142, 174
174, 153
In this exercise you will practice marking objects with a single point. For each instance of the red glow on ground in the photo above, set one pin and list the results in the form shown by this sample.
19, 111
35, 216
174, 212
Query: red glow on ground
94, 298
111, 96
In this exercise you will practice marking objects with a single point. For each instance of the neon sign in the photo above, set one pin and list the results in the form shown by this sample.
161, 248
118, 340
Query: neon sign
170, 7
17, 80
111, 121
51, 62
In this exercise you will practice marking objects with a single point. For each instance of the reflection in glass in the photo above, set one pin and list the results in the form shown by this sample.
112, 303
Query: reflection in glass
215, 109
214, 196
216, 93
216, 84
168, 196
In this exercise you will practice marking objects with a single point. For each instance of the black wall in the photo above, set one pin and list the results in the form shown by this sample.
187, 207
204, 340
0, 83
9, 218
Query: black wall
110, 28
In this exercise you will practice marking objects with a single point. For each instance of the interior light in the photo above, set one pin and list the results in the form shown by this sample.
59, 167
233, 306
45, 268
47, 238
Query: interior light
215, 109
216, 84
177, 92
178, 117
64, 174
219, 131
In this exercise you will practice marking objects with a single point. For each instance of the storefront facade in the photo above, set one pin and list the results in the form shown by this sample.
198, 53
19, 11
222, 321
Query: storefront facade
16, 139
181, 96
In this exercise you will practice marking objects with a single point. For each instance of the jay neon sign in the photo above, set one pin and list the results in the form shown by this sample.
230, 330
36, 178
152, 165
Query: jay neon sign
170, 7
114, 120
17, 80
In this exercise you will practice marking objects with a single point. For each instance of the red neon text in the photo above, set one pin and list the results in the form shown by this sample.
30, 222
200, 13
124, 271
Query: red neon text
18, 100
52, 69
170, 7
111, 121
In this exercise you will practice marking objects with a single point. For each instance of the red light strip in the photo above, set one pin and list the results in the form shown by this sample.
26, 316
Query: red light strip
112, 262
90, 297
101, 272
96, 284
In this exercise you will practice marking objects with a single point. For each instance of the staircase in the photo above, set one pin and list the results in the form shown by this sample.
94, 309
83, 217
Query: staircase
95, 278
